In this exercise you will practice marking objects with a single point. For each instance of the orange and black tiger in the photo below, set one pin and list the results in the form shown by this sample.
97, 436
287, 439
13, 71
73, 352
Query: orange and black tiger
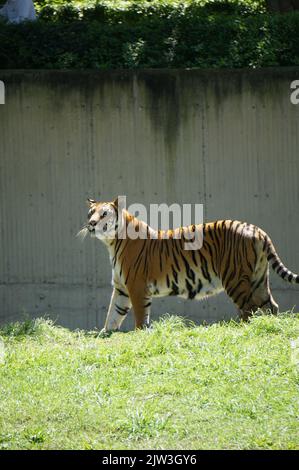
234, 257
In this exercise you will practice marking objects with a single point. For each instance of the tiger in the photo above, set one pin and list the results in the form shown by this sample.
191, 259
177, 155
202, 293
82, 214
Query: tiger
234, 257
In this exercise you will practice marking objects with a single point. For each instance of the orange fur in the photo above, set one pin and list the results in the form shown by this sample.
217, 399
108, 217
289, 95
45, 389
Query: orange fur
234, 257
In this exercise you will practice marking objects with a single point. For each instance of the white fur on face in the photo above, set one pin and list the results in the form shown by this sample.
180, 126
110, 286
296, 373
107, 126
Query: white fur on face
105, 227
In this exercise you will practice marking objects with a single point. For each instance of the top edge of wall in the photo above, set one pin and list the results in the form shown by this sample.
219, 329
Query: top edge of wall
265, 71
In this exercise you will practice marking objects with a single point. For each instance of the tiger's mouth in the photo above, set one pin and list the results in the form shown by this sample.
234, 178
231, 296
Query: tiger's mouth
92, 231
92, 228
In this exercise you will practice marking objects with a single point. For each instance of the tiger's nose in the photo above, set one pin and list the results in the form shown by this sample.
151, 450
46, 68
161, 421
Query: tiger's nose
93, 223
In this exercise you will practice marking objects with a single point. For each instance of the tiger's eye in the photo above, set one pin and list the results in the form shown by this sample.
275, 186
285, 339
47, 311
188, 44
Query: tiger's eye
90, 213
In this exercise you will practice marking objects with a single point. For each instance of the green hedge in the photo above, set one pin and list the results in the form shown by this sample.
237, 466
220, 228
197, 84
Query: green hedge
219, 34
112, 6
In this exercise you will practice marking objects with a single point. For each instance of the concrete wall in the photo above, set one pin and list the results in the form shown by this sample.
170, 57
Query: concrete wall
227, 139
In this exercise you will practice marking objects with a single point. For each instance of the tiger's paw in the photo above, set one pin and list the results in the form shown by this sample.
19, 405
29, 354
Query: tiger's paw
105, 333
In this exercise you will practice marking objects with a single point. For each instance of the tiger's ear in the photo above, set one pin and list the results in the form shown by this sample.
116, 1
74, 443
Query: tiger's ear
89, 201
115, 203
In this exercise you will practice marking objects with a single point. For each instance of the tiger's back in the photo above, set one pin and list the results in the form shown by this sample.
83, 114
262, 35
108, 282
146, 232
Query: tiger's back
233, 258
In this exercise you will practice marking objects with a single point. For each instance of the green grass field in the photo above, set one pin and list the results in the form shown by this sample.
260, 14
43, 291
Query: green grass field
176, 386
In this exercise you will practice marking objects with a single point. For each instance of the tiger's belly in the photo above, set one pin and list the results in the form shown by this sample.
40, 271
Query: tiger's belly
197, 289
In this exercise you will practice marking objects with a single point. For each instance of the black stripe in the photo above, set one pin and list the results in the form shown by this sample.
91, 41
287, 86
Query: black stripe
191, 291
176, 262
217, 240
175, 289
226, 271
138, 265
139, 254
238, 297
176, 246
204, 267
257, 285
120, 310
254, 251
138, 261
232, 290
153, 246
193, 257
211, 256
231, 277
146, 257
175, 274
121, 292
248, 263
199, 286
210, 232
118, 245
281, 268
124, 248
128, 275
265, 243
189, 271
160, 258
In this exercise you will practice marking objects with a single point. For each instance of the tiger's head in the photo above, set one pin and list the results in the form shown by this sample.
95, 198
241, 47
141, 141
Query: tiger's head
102, 220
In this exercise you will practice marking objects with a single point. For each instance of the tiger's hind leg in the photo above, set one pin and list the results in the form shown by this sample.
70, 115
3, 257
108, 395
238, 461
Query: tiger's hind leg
253, 292
251, 307
261, 295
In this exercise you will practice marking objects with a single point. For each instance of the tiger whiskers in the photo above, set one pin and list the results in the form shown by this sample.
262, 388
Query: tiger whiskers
82, 233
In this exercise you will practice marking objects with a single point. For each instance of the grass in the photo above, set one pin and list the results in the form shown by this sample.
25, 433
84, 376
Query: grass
176, 386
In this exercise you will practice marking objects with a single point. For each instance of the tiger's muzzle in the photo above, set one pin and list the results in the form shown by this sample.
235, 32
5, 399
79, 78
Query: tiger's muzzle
91, 226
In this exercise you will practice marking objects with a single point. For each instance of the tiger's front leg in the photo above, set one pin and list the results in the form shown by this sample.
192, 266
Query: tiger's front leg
141, 302
119, 306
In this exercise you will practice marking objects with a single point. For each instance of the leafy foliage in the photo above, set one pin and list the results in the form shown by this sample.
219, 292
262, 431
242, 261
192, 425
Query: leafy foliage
102, 35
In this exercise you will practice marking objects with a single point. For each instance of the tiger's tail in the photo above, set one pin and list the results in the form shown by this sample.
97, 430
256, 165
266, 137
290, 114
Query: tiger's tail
277, 265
